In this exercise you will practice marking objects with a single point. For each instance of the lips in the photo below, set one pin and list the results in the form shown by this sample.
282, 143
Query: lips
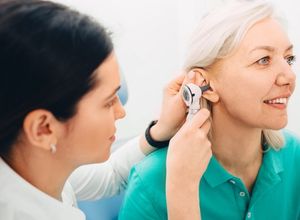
279, 102
112, 138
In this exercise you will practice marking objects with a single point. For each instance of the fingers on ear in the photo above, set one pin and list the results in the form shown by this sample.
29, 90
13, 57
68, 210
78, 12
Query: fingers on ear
189, 77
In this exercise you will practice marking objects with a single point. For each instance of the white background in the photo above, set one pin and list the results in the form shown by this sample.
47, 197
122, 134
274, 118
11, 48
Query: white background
150, 37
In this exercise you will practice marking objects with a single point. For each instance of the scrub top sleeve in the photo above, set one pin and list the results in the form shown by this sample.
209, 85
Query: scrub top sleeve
95, 181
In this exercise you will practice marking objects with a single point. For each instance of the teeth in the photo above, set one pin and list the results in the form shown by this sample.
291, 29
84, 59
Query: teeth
277, 101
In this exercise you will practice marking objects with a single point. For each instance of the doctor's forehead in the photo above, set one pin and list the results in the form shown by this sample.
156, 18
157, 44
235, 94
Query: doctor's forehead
107, 76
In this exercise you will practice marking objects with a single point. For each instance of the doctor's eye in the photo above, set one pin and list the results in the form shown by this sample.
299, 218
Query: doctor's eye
112, 102
291, 59
264, 61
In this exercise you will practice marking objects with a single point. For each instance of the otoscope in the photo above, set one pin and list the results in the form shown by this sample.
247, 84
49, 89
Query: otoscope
191, 96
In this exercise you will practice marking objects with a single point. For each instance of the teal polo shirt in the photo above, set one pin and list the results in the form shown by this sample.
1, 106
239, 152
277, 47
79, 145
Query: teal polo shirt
275, 195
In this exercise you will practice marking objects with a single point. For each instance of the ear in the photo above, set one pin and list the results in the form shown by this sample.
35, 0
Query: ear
41, 128
202, 79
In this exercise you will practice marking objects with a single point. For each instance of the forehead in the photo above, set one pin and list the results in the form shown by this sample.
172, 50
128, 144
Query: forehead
267, 32
108, 74
107, 78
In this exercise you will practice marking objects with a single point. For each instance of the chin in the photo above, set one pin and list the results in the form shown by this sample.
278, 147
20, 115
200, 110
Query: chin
103, 153
100, 157
103, 157
278, 125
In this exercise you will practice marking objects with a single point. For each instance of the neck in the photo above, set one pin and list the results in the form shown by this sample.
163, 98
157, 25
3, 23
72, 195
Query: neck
42, 169
236, 146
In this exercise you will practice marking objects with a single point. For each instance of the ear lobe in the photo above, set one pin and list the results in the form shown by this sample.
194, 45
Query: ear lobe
39, 128
211, 96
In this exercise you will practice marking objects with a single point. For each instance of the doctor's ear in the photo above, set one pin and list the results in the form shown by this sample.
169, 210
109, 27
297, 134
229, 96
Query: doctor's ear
41, 129
202, 79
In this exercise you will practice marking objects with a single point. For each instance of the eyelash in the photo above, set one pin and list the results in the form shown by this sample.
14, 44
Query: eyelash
263, 59
290, 60
111, 103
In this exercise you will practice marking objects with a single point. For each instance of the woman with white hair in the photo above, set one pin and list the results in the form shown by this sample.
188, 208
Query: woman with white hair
244, 54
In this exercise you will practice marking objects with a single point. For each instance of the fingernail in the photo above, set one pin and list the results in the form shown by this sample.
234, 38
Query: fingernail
191, 75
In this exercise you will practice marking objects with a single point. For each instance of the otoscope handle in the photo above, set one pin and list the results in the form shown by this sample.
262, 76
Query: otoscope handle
191, 114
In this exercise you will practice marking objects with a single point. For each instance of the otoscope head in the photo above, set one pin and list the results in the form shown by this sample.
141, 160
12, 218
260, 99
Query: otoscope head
192, 93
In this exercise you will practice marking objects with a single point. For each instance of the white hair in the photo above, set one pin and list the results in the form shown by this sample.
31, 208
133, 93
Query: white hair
217, 36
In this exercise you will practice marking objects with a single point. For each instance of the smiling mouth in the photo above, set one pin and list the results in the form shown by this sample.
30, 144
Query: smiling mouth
278, 103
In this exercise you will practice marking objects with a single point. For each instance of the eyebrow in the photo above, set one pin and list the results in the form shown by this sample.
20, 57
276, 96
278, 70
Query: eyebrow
113, 93
268, 48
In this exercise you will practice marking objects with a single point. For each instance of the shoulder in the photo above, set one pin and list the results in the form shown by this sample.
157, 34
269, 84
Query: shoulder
146, 189
153, 166
291, 138
149, 173
289, 154
292, 144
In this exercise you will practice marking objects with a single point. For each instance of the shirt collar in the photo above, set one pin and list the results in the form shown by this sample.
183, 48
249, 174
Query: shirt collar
16, 192
215, 173
272, 162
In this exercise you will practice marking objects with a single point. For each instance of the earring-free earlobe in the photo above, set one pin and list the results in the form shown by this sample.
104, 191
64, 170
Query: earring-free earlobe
53, 148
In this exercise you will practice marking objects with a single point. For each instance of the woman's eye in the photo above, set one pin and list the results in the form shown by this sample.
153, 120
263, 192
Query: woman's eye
291, 60
263, 61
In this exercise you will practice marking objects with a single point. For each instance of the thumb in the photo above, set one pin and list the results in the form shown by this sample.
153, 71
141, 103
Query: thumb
200, 118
